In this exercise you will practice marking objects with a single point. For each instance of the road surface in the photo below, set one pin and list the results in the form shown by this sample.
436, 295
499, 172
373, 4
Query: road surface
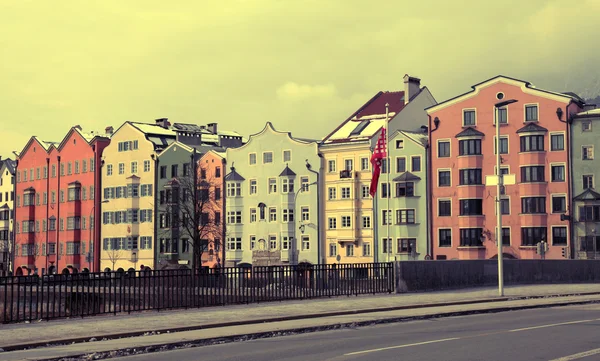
561, 333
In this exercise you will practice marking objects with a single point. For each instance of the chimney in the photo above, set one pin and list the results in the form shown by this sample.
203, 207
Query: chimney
109, 130
212, 127
412, 86
163, 122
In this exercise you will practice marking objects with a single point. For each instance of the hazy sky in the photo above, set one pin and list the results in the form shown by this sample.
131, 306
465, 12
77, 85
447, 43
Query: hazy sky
305, 65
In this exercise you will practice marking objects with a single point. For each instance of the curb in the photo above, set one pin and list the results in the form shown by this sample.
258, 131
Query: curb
284, 318
170, 346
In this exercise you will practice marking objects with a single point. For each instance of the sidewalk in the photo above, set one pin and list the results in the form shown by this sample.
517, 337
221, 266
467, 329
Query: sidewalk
71, 330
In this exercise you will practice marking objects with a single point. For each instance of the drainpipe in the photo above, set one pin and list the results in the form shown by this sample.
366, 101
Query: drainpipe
47, 207
429, 177
428, 217
375, 226
319, 225
196, 241
568, 121
13, 251
223, 210
155, 216
58, 271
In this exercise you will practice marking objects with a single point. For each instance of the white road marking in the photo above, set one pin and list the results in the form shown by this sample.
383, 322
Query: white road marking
579, 355
551, 325
401, 346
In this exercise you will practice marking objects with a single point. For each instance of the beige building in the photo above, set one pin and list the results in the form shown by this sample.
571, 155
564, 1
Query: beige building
128, 194
7, 195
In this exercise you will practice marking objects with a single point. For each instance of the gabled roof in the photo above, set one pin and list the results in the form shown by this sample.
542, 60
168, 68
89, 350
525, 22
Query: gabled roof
369, 118
406, 177
588, 195
532, 127
421, 139
287, 172
9, 165
525, 86
469, 132
46, 145
234, 176
270, 128
87, 137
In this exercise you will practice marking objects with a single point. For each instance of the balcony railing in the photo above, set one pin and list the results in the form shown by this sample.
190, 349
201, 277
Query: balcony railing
345, 174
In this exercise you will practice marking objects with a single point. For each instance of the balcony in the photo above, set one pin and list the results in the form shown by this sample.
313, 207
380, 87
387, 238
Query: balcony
470, 161
346, 174
532, 157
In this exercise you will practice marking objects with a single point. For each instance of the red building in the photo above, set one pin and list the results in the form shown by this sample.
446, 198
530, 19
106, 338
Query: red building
534, 147
57, 200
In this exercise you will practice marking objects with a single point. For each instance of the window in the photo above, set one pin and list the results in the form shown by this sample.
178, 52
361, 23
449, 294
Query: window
558, 173
348, 164
531, 205
505, 235
305, 243
559, 236
54, 170
287, 185
288, 215
174, 171
405, 216
304, 184
349, 250
234, 189
69, 169
406, 245
272, 185
252, 158
109, 170
405, 189
530, 236
345, 192
272, 242
267, 157
73, 223
234, 243
305, 214
146, 166
468, 118
253, 186
234, 217
559, 204
386, 217
385, 190
366, 222
332, 222
163, 171
471, 207
471, 237
531, 113
332, 249
588, 181
445, 238
557, 142
366, 249
505, 206
331, 166
443, 178
532, 143
121, 168
346, 222
400, 164
331, 193
252, 215
586, 126
470, 177
217, 172
272, 214
534, 173
444, 208
287, 155
587, 152
134, 167
469, 147
386, 245
364, 164
415, 164
366, 191
503, 145
589, 213
400, 144
444, 149
74, 194
502, 115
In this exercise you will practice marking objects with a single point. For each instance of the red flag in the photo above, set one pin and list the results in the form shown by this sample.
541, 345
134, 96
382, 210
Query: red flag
379, 154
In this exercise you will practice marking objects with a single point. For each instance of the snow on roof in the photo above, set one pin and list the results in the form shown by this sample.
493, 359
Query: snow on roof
153, 129
590, 112
418, 137
229, 133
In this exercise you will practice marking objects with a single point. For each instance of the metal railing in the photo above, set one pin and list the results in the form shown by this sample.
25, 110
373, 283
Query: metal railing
29, 298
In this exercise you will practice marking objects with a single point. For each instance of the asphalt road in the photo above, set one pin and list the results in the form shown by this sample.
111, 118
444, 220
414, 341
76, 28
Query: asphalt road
562, 333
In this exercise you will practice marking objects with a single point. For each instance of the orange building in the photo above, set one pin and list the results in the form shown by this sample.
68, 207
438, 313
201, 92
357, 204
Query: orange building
534, 146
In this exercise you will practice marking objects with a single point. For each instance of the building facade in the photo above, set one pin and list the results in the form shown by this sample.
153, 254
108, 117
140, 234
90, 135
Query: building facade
585, 128
348, 215
534, 146
272, 201
56, 204
191, 171
7, 196
401, 202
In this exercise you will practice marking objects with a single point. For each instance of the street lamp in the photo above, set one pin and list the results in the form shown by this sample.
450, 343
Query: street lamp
91, 256
499, 186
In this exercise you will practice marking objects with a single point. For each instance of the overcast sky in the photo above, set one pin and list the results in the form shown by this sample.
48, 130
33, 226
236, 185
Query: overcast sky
305, 65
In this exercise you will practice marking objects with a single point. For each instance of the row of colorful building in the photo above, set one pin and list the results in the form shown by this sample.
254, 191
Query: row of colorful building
165, 195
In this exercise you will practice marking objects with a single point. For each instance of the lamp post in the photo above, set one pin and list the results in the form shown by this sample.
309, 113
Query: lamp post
91, 259
499, 186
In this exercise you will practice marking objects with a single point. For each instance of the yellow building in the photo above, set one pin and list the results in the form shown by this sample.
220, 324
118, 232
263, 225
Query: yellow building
7, 195
350, 223
128, 194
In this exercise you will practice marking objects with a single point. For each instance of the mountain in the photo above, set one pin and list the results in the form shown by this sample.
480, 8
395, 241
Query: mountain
595, 100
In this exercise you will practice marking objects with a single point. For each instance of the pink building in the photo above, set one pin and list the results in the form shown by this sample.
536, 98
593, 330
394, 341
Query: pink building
534, 146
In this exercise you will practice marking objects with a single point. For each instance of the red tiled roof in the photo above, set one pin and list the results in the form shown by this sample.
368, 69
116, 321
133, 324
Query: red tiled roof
377, 106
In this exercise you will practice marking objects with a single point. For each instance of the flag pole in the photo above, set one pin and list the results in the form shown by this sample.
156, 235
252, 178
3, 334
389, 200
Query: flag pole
387, 181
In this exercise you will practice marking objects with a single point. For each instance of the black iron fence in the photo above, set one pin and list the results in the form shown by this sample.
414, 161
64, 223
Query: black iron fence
29, 298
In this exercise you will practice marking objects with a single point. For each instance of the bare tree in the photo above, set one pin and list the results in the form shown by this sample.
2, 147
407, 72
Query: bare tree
191, 211
114, 255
